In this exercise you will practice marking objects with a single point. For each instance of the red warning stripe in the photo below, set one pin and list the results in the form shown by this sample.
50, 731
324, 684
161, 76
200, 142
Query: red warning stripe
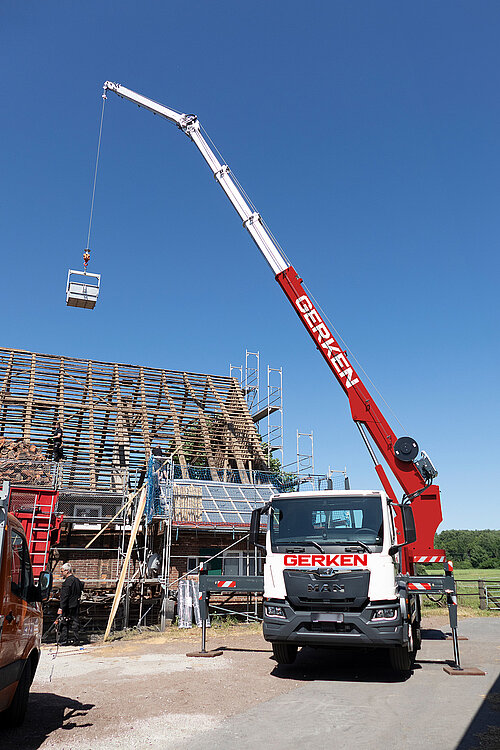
419, 586
226, 584
429, 558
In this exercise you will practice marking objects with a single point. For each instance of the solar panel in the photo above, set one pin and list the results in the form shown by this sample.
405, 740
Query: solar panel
242, 505
214, 517
217, 506
215, 490
234, 492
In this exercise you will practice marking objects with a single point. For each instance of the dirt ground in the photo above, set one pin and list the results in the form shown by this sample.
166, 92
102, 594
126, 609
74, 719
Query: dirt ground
145, 692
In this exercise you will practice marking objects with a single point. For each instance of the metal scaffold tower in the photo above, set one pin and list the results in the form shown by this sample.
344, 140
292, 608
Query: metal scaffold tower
266, 413
251, 382
274, 412
249, 379
305, 455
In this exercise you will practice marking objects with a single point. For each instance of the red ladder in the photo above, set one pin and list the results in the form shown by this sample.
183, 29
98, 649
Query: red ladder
35, 508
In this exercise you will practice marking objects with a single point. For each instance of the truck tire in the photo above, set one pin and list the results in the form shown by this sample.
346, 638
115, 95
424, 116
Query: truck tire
14, 715
401, 659
284, 653
416, 636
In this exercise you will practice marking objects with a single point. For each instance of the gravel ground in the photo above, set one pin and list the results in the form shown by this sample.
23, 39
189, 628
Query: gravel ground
146, 692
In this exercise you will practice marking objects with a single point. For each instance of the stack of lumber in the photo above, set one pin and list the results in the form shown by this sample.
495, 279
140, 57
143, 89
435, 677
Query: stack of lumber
188, 504
21, 462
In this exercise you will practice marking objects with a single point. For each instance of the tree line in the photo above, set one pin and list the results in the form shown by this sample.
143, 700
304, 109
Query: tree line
471, 549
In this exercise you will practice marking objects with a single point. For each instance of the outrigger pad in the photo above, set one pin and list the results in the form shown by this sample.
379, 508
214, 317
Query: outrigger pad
205, 653
465, 671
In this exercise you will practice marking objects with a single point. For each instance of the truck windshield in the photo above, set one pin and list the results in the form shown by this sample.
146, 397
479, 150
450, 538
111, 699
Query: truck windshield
326, 520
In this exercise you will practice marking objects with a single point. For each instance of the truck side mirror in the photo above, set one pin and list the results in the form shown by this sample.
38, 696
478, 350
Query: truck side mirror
408, 524
409, 530
255, 528
45, 584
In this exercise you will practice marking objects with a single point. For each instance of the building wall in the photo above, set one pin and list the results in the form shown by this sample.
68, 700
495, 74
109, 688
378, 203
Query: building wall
98, 566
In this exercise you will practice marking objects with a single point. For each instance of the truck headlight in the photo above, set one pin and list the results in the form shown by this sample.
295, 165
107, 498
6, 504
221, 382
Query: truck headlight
272, 611
385, 613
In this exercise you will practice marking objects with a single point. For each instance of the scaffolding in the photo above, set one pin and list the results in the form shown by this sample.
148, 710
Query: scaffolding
305, 455
248, 377
266, 412
274, 420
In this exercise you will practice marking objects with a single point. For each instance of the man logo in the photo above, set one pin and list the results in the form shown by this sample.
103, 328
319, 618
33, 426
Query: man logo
326, 572
324, 587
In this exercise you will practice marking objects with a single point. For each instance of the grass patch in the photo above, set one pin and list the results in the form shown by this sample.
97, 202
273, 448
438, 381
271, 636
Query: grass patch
227, 626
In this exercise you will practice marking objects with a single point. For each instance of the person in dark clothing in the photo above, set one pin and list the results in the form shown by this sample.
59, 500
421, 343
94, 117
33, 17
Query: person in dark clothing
69, 610
157, 451
57, 441
54, 443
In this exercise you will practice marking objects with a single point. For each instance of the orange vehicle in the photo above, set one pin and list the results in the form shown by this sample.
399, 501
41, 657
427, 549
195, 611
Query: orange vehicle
21, 616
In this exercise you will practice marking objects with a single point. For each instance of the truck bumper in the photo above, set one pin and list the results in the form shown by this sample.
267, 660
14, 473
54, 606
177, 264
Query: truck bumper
344, 629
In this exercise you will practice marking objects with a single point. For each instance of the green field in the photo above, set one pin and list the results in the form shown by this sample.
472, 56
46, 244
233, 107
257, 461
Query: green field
467, 588
486, 574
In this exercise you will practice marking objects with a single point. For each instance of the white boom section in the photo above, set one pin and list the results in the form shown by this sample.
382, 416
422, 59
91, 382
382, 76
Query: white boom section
190, 125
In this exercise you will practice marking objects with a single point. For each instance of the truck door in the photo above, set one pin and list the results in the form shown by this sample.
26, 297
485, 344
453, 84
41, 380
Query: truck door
19, 622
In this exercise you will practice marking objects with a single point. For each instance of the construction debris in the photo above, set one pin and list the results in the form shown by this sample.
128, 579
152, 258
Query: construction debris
22, 462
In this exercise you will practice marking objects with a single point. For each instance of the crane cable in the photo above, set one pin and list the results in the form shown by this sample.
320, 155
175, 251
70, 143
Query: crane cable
86, 252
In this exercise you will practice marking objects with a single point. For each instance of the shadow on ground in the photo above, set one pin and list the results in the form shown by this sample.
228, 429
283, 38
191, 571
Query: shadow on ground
329, 665
247, 650
431, 634
483, 732
46, 713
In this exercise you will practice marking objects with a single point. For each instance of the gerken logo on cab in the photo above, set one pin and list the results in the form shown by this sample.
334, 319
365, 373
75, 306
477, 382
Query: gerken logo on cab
325, 561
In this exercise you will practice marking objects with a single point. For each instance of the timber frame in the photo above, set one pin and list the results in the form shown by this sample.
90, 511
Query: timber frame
112, 415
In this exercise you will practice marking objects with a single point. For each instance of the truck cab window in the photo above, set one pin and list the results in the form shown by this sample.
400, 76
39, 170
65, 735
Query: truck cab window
328, 520
21, 572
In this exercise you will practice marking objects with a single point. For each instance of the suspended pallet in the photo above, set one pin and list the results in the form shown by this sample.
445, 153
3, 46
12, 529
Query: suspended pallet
82, 289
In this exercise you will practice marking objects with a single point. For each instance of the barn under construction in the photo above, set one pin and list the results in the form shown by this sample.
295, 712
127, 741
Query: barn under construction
189, 437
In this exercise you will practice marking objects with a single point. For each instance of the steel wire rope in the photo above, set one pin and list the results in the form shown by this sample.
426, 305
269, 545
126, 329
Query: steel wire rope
245, 195
95, 171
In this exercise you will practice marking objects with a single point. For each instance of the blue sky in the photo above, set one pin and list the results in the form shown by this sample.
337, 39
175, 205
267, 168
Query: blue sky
367, 135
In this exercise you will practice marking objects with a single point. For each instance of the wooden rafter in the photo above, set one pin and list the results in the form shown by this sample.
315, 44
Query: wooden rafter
28, 409
179, 448
230, 430
203, 426
103, 405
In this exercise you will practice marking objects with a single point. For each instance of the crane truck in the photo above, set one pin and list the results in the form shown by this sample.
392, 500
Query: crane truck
340, 565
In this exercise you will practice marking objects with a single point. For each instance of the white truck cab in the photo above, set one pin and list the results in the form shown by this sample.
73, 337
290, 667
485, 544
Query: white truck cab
330, 576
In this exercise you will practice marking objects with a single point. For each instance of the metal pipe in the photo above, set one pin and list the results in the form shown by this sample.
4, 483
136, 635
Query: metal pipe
366, 442
204, 632
456, 654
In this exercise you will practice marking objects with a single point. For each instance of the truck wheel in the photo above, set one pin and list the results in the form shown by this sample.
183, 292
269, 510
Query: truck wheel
401, 659
14, 715
416, 636
284, 653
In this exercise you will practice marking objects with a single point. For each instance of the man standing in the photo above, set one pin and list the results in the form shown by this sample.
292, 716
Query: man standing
57, 441
69, 610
